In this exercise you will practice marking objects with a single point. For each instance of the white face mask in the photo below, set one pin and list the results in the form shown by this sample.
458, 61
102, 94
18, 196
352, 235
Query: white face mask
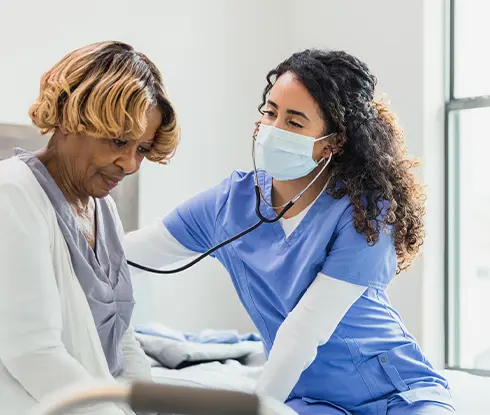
285, 155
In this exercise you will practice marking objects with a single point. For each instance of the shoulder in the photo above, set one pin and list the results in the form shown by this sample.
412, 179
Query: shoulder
14, 172
352, 258
203, 209
22, 200
341, 209
18, 184
237, 180
347, 236
235, 190
234, 186
345, 213
241, 177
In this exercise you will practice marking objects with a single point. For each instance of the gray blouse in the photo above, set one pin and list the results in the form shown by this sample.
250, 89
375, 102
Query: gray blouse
103, 273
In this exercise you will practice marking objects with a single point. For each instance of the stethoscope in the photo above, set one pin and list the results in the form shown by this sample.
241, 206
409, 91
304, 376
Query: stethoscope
262, 219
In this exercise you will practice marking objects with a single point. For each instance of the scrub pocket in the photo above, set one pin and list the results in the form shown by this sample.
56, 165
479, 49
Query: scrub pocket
384, 374
431, 394
309, 406
403, 405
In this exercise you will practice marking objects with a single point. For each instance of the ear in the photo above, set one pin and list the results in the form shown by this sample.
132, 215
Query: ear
331, 147
256, 130
334, 145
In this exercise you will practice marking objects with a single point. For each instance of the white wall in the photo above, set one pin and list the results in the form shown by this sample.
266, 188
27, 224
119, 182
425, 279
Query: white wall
216, 85
215, 55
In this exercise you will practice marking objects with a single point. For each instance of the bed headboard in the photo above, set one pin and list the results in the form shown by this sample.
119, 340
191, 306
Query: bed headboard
126, 195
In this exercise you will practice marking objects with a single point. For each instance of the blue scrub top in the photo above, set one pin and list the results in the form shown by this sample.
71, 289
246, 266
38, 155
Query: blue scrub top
371, 356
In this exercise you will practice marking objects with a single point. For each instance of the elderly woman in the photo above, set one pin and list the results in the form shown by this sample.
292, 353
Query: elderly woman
66, 299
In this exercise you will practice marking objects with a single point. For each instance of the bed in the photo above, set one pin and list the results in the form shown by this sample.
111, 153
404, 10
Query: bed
226, 360
470, 392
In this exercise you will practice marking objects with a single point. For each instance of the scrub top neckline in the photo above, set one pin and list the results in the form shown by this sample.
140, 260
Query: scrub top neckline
282, 238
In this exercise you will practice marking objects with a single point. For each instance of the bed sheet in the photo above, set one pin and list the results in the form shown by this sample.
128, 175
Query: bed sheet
471, 393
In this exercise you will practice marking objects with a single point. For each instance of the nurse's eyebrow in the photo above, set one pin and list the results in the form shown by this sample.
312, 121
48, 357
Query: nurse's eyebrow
289, 111
301, 114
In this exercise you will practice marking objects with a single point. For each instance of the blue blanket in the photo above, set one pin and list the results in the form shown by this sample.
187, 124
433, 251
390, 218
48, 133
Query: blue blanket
175, 349
206, 336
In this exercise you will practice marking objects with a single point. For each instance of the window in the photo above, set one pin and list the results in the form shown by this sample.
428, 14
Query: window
468, 186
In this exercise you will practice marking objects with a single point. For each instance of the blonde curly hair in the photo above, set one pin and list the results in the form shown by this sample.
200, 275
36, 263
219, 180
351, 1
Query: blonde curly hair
105, 90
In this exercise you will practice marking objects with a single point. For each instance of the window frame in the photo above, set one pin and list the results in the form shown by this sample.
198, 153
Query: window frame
453, 107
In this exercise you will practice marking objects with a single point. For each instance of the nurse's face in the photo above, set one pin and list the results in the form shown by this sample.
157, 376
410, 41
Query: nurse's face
290, 107
95, 166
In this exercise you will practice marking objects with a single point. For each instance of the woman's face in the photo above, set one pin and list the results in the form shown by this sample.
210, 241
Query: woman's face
96, 166
290, 107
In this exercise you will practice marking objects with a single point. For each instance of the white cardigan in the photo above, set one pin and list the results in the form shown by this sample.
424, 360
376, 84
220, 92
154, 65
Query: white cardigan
48, 339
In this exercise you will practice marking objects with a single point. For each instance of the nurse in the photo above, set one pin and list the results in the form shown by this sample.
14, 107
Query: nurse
315, 282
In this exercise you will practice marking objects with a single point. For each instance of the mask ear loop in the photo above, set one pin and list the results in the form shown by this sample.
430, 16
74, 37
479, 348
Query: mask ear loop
327, 162
298, 196
254, 136
324, 137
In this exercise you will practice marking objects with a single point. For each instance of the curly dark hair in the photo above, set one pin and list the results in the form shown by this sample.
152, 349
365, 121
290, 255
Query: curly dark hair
372, 164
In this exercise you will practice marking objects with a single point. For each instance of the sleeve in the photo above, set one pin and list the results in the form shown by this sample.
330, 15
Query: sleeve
154, 247
310, 325
352, 259
192, 224
31, 347
136, 364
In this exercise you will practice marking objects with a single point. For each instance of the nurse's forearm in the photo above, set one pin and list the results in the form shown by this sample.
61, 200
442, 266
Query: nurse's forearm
153, 246
308, 326
289, 357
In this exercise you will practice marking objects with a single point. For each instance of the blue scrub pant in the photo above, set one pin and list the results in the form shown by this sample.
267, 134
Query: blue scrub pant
395, 407
399, 407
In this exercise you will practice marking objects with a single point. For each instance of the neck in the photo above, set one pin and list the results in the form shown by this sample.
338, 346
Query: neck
59, 169
284, 191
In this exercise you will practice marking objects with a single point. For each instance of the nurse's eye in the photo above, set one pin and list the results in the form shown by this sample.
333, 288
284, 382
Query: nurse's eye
268, 113
118, 143
295, 124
